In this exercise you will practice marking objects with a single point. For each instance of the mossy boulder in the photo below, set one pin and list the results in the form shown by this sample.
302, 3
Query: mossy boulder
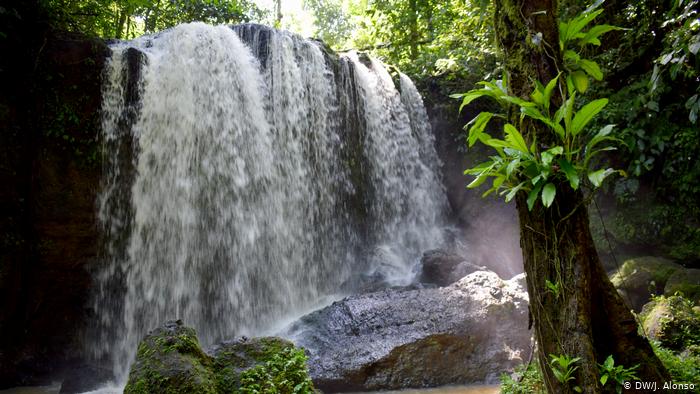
673, 321
171, 360
640, 278
686, 282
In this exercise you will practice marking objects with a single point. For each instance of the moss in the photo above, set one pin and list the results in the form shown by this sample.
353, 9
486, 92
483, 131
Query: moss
648, 268
672, 321
171, 360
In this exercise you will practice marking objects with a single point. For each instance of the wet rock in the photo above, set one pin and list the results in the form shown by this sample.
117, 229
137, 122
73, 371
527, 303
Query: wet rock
640, 278
442, 268
469, 332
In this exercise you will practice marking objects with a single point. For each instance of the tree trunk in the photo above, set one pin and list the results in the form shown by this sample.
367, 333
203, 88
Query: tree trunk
413, 29
575, 309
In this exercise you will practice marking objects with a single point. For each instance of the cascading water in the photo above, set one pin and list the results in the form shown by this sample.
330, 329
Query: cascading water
248, 175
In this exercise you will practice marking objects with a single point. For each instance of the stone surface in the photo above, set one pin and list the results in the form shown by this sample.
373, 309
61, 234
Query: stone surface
685, 281
50, 172
640, 278
468, 332
442, 268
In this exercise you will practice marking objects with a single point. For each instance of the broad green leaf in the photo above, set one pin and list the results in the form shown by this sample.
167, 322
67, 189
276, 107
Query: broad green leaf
512, 166
571, 56
569, 111
586, 113
514, 191
591, 36
532, 197
591, 68
604, 379
570, 172
597, 177
547, 159
557, 150
479, 180
496, 143
478, 125
609, 362
580, 80
601, 136
516, 139
548, 91
577, 24
548, 193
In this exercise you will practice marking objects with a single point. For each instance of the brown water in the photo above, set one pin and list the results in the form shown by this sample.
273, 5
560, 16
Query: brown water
480, 389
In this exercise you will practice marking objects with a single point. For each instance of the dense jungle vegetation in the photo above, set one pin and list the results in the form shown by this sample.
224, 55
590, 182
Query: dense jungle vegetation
645, 67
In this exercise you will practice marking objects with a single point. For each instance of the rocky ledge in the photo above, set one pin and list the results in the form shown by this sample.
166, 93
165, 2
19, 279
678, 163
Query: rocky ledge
468, 332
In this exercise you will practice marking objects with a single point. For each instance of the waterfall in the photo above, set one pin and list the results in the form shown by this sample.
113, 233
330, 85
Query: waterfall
248, 175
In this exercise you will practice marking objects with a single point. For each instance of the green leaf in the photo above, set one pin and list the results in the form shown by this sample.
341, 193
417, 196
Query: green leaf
532, 197
585, 114
580, 81
591, 36
514, 191
571, 56
609, 362
512, 166
548, 91
478, 125
548, 193
570, 172
591, 68
569, 111
478, 181
603, 379
577, 24
547, 159
597, 177
516, 139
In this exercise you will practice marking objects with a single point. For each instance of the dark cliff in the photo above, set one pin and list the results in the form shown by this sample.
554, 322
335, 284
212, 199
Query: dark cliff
49, 171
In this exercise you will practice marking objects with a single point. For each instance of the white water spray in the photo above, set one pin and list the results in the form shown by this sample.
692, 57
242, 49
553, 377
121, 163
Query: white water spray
249, 175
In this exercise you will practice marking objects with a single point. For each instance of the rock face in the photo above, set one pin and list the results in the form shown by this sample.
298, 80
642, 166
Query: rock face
443, 268
640, 278
170, 360
468, 332
50, 173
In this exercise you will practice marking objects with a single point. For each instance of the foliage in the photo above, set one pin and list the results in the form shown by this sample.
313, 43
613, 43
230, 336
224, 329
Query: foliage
683, 367
673, 321
563, 368
425, 37
130, 18
526, 380
284, 373
618, 374
534, 169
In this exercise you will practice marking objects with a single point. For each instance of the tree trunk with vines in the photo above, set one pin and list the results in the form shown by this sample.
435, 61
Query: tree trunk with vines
574, 307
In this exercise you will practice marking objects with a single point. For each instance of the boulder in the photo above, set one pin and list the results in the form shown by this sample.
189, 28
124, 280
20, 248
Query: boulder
640, 278
685, 281
443, 268
170, 360
469, 332
673, 321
